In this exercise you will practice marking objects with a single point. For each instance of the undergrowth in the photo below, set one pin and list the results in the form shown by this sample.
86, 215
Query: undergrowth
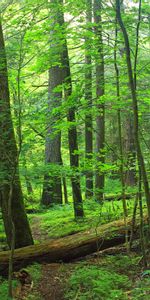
58, 221
109, 278
97, 283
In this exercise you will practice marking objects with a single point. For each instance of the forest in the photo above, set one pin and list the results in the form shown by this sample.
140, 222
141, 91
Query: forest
74, 149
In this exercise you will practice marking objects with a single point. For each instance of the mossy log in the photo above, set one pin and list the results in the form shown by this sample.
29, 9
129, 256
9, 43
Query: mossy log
68, 248
118, 197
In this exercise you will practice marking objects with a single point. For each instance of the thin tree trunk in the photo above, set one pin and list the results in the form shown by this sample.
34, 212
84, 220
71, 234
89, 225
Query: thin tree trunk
135, 109
120, 137
65, 190
142, 220
130, 175
64, 186
140, 173
8, 162
129, 143
100, 119
88, 98
72, 134
28, 185
73, 142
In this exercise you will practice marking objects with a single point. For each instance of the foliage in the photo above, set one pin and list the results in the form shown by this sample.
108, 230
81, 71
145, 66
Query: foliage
58, 221
35, 271
94, 282
141, 289
4, 288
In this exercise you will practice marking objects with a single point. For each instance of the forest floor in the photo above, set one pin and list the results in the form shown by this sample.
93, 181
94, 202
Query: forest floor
97, 277
107, 275
89, 277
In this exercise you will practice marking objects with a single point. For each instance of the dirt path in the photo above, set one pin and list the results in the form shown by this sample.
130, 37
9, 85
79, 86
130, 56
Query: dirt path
37, 232
52, 282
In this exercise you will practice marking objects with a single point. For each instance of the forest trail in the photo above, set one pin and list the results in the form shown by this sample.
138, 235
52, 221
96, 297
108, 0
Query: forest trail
51, 286
52, 283
37, 232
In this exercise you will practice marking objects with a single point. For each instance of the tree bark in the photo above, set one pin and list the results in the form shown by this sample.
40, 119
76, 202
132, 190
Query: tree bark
122, 177
88, 98
8, 162
100, 119
52, 188
130, 175
72, 131
140, 157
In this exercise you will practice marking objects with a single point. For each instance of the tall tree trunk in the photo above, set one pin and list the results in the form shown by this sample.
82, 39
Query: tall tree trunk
122, 175
72, 138
72, 131
100, 120
140, 157
52, 188
88, 98
8, 162
129, 143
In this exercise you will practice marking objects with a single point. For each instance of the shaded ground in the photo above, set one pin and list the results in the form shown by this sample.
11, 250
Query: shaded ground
51, 286
37, 232
54, 277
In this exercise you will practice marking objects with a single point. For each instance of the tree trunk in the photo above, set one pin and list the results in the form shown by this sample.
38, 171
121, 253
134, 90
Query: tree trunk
140, 157
122, 177
27, 180
72, 133
9, 162
52, 188
88, 98
100, 119
64, 182
130, 176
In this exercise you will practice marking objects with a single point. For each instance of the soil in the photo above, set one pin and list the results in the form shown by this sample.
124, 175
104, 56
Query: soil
37, 232
51, 286
52, 283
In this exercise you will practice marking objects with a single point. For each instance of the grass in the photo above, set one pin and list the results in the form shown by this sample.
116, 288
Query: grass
109, 278
59, 221
36, 273
4, 288
93, 282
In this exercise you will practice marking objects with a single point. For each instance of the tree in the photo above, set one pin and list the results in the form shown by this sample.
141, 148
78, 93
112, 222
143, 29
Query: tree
61, 79
9, 164
140, 157
100, 119
52, 189
72, 135
88, 98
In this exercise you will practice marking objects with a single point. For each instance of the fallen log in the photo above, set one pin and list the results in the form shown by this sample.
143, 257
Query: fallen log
118, 197
68, 248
